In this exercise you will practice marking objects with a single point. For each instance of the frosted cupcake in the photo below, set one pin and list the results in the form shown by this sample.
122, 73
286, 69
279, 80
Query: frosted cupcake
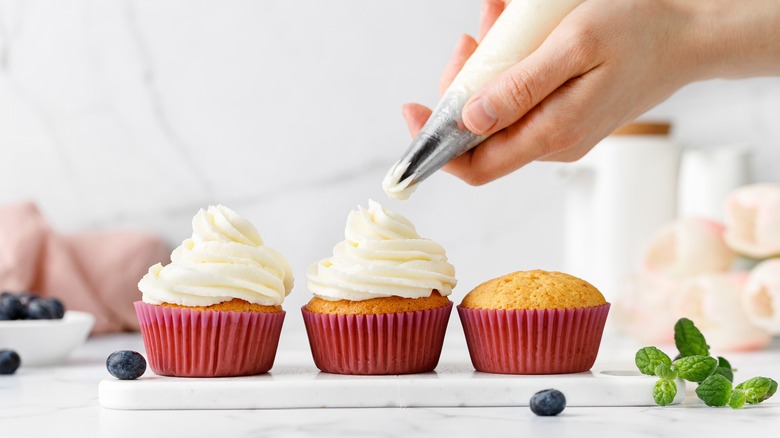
380, 302
215, 310
533, 322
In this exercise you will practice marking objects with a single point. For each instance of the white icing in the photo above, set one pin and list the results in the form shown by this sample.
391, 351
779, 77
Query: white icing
394, 187
382, 255
224, 259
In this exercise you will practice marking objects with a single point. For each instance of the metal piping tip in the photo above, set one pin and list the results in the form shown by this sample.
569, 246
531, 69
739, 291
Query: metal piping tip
397, 187
419, 154
443, 138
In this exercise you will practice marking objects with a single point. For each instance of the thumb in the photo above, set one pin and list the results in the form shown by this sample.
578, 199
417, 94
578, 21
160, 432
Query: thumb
510, 95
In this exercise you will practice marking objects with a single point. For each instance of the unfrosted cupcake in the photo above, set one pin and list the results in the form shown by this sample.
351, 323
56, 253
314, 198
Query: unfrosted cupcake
380, 302
215, 310
533, 322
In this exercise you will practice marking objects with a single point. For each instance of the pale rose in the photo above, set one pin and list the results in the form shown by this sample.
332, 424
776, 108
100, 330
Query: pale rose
753, 220
644, 311
688, 247
714, 303
761, 297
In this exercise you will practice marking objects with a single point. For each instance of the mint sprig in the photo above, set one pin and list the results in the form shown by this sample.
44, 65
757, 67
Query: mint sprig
648, 358
737, 398
758, 389
715, 390
715, 376
695, 368
664, 391
689, 340
666, 372
724, 369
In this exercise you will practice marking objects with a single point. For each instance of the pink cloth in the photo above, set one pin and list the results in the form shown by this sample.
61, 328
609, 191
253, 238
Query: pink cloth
96, 272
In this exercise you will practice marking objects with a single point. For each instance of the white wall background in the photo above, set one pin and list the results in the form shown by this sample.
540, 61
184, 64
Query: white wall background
137, 113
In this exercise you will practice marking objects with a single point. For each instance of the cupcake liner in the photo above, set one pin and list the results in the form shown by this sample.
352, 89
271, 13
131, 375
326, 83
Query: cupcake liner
189, 343
548, 341
390, 343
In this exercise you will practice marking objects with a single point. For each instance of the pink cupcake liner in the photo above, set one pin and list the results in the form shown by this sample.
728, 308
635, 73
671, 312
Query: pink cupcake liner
391, 343
189, 343
549, 341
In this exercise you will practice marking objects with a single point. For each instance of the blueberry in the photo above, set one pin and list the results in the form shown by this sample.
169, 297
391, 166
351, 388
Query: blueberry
126, 365
9, 361
10, 307
38, 309
26, 297
548, 402
55, 306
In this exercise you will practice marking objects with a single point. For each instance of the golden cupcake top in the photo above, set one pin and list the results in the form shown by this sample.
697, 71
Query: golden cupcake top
234, 305
377, 306
526, 290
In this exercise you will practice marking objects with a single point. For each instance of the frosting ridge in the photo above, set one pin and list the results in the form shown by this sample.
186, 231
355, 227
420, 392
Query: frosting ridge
225, 258
382, 255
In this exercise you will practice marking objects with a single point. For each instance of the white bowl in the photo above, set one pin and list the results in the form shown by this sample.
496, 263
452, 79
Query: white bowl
46, 341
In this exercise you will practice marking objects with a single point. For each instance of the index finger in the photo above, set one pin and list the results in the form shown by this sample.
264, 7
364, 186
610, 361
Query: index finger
491, 9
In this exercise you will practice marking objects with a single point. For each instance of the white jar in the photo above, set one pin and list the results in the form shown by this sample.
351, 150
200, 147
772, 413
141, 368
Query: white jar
617, 197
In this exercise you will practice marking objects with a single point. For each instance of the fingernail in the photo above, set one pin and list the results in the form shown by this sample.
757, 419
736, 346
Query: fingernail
480, 115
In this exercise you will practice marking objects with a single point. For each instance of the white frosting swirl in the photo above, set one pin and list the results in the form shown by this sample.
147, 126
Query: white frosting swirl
224, 259
394, 187
382, 256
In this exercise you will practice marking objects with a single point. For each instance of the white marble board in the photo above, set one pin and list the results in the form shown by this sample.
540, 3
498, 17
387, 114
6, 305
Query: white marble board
303, 386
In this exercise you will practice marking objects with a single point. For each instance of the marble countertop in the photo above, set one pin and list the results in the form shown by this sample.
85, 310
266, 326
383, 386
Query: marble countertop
62, 401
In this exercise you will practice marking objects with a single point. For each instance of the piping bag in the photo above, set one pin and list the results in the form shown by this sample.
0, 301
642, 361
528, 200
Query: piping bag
519, 30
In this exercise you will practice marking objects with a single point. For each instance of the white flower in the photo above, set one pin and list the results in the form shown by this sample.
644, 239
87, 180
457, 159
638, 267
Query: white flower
753, 220
714, 303
761, 297
688, 247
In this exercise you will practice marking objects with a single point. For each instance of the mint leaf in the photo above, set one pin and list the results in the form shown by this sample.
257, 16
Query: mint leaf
715, 391
665, 371
650, 357
737, 399
689, 340
696, 368
758, 389
725, 372
724, 369
664, 392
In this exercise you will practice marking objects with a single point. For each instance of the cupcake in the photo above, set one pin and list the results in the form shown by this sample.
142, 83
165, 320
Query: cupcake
533, 322
380, 302
215, 310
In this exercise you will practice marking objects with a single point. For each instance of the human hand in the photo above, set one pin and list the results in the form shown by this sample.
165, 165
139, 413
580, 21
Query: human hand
604, 65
